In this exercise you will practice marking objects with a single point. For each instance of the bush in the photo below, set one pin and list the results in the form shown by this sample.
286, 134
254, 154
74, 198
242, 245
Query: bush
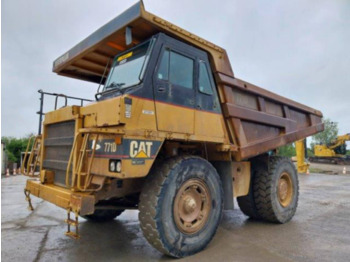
14, 147
287, 150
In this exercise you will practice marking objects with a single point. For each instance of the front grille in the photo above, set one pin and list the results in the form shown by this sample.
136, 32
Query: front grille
58, 144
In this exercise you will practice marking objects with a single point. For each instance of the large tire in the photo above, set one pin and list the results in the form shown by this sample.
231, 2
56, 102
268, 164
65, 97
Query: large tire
103, 215
170, 197
247, 204
276, 191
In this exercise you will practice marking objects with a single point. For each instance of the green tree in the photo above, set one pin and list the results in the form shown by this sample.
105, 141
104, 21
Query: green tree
310, 152
14, 147
287, 150
329, 134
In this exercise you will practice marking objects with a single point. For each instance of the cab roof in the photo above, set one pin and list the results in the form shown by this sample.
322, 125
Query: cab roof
88, 59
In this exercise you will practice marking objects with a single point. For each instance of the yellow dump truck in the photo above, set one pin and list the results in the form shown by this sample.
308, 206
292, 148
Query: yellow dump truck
172, 133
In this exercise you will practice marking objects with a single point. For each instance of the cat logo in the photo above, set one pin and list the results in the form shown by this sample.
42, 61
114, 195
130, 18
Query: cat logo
140, 149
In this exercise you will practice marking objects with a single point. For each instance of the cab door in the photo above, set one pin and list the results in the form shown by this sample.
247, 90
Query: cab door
174, 91
208, 117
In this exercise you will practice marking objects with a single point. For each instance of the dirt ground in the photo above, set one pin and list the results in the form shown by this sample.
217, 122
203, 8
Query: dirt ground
329, 169
320, 230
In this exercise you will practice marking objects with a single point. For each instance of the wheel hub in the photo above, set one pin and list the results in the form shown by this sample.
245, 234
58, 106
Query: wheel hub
192, 206
285, 189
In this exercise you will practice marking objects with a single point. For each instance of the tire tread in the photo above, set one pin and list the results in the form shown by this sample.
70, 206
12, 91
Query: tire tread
149, 200
263, 191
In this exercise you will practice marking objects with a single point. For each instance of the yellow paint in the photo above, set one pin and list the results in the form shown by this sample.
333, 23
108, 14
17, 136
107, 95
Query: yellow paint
139, 122
54, 194
241, 175
62, 114
302, 166
108, 119
328, 150
103, 113
141, 154
209, 124
323, 151
120, 58
101, 165
174, 119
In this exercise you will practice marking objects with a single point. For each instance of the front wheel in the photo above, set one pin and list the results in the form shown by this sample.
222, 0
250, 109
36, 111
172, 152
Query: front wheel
181, 205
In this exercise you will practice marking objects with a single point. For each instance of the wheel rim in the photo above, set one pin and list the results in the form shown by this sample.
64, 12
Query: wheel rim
285, 189
192, 206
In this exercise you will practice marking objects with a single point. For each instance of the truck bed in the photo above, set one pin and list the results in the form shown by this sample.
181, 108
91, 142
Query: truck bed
259, 120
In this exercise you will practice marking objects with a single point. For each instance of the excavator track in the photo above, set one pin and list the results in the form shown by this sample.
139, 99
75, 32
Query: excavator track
330, 160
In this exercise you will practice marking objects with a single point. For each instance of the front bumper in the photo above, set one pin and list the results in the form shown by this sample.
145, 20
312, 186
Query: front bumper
80, 203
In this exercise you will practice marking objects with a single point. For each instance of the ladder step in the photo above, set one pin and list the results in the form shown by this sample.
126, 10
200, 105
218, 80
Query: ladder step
71, 222
72, 235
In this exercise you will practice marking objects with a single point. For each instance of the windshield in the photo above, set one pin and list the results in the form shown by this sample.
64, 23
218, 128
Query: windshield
128, 68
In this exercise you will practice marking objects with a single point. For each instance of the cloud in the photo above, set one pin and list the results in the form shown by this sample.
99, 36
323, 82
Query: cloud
298, 49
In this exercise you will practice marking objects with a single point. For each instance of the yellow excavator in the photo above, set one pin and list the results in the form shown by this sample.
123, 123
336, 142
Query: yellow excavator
333, 153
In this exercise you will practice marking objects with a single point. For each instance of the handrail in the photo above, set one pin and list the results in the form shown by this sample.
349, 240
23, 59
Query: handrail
38, 155
61, 95
31, 160
81, 159
42, 94
34, 155
26, 156
88, 171
70, 160
76, 165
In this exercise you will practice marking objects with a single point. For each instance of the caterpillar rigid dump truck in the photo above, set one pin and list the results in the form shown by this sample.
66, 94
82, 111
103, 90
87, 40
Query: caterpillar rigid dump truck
172, 133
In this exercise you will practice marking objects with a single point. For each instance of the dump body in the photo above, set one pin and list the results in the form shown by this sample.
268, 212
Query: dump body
260, 121
254, 119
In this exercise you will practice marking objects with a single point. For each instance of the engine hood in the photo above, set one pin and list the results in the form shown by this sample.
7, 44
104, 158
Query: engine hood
103, 113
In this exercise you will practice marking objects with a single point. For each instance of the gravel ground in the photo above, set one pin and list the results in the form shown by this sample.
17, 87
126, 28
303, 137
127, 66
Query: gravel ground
330, 169
320, 230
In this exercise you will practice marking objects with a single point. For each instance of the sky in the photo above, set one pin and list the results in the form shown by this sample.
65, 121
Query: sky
298, 49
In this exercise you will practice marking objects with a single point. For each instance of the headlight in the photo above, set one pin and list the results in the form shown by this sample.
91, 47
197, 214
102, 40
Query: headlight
115, 165
119, 166
112, 166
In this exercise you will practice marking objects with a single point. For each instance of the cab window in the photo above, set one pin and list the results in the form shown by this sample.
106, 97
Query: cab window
163, 71
204, 79
177, 69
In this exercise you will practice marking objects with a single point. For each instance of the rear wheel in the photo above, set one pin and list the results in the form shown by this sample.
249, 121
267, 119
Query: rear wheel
181, 205
247, 203
276, 191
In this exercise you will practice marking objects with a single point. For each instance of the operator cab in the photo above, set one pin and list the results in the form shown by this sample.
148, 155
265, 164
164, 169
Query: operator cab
167, 71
